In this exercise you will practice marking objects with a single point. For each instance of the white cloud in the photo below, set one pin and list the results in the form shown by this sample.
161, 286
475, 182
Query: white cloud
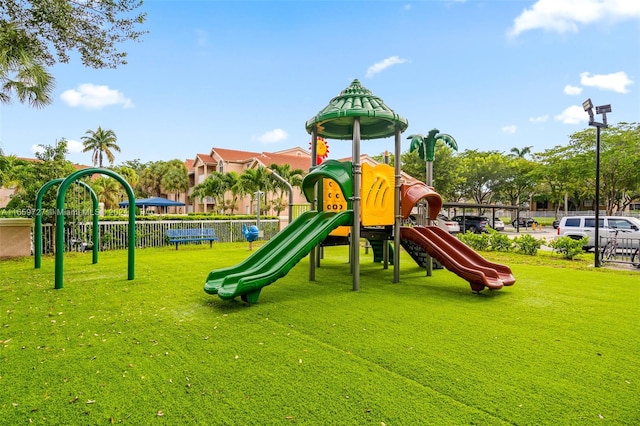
573, 115
564, 16
511, 129
271, 136
383, 65
93, 96
572, 90
617, 81
407, 6
539, 119
74, 147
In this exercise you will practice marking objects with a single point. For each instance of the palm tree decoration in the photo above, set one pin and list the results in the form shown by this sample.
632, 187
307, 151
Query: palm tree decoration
426, 147
101, 142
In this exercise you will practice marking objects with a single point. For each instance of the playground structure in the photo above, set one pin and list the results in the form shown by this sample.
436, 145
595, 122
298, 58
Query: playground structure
356, 200
64, 184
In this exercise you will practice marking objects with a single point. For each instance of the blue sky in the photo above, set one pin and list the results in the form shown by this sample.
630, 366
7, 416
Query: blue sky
248, 74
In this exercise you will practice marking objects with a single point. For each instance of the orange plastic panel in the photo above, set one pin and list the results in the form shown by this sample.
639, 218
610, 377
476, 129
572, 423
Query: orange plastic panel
377, 195
332, 196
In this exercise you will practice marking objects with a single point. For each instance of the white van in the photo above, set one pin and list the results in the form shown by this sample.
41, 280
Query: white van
577, 227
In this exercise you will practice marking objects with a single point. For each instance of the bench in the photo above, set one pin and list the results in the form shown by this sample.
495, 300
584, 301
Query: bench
178, 236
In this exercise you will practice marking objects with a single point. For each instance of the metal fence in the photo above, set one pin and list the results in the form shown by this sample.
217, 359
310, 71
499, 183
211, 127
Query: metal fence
113, 235
561, 213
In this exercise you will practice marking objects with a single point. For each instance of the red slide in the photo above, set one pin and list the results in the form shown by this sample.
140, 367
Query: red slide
458, 257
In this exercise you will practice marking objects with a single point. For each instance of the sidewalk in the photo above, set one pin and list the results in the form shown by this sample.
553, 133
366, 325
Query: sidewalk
546, 232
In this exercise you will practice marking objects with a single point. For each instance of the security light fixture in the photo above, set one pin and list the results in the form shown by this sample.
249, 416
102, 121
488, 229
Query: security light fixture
588, 107
602, 109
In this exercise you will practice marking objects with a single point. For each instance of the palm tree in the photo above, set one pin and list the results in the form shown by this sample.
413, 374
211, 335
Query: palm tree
20, 70
520, 153
426, 147
254, 180
231, 181
108, 191
175, 177
213, 186
150, 179
293, 176
101, 142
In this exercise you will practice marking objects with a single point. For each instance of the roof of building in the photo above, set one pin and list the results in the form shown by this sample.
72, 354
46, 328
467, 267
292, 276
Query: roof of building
297, 158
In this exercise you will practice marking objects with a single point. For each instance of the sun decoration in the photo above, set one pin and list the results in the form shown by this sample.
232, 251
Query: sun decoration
322, 150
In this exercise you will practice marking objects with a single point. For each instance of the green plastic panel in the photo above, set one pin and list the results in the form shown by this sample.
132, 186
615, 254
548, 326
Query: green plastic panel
339, 171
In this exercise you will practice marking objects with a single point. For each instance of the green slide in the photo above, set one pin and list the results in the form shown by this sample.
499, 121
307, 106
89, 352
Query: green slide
274, 259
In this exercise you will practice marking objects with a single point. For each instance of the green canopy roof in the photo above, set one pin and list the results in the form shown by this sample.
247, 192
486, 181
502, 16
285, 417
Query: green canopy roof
377, 120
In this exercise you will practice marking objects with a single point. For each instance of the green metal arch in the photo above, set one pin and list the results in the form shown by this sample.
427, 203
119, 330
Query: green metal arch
37, 232
59, 230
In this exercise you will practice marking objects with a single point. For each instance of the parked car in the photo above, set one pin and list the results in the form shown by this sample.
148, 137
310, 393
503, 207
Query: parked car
556, 223
442, 221
448, 224
498, 224
577, 227
475, 224
526, 222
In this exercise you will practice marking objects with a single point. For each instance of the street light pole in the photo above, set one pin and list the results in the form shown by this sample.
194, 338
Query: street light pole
602, 109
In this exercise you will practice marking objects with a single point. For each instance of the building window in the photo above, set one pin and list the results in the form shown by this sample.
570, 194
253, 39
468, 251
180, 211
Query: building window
221, 166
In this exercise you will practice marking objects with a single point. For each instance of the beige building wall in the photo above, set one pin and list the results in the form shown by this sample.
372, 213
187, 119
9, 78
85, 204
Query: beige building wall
15, 237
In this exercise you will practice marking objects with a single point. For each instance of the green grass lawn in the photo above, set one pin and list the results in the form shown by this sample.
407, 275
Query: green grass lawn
559, 347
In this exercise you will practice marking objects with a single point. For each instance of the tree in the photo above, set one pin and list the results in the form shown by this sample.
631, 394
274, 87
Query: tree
11, 171
108, 191
293, 176
129, 174
559, 175
520, 153
160, 177
46, 32
51, 164
101, 143
483, 172
254, 180
175, 177
518, 182
233, 184
21, 72
619, 163
213, 186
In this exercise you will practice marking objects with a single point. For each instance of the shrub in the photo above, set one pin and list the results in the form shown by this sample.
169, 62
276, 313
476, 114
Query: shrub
568, 247
475, 241
499, 242
527, 244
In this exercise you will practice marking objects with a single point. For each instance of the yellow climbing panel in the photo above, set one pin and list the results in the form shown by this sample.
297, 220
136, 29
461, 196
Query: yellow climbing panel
377, 195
